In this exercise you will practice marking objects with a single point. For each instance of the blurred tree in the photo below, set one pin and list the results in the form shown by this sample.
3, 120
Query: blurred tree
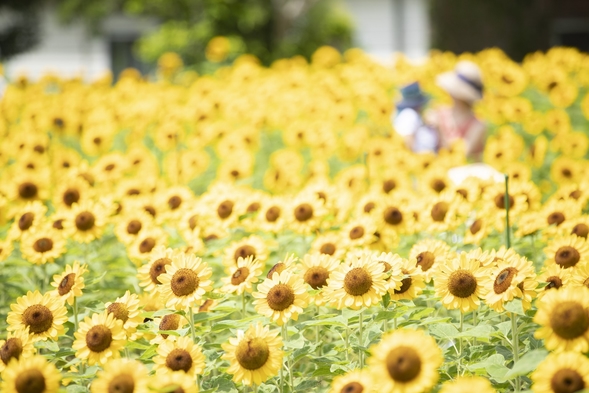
268, 29
19, 26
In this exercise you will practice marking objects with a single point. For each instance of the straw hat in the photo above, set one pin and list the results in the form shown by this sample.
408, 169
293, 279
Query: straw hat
464, 83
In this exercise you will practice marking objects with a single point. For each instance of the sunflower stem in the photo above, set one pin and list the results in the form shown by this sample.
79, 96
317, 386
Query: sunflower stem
284, 339
75, 311
192, 332
360, 341
474, 323
515, 346
506, 203
460, 343
243, 303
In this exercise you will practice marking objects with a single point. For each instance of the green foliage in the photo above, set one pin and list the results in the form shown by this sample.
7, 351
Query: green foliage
266, 29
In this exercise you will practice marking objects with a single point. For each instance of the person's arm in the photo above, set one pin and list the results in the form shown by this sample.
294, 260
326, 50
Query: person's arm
474, 140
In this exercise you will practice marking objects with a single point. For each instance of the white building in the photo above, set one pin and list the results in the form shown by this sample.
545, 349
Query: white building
382, 28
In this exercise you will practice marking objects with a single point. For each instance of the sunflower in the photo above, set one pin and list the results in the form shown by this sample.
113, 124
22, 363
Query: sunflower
69, 284
145, 243
27, 187
241, 277
27, 218
252, 245
565, 170
32, 374
429, 254
286, 264
168, 322
393, 269
513, 276
443, 212
180, 354
99, 338
219, 204
477, 230
148, 273
358, 282
359, 232
563, 317
561, 373
86, 221
129, 225
44, 315
71, 190
42, 244
494, 204
18, 345
254, 356
554, 213
281, 297
272, 214
405, 361
174, 381
579, 276
172, 201
458, 283
5, 249
329, 243
567, 252
412, 282
468, 385
305, 212
555, 277
315, 269
185, 282
121, 375
355, 381
126, 309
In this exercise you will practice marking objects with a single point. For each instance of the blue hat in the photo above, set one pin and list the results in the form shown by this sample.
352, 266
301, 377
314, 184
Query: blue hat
412, 97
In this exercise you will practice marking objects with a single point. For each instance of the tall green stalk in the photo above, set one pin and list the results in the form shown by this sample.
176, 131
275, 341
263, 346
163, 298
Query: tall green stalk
515, 346
506, 202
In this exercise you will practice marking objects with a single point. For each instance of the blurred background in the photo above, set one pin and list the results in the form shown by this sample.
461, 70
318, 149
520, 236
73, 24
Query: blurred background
91, 37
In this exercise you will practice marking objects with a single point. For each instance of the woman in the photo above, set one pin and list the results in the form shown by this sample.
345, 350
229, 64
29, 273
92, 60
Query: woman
457, 122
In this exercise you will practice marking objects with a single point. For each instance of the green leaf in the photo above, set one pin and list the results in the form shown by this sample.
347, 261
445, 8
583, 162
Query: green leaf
76, 389
494, 365
527, 363
515, 306
444, 331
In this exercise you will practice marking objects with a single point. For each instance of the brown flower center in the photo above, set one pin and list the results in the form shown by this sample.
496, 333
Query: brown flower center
150, 210
403, 364
119, 310
252, 353
30, 381
566, 172
316, 276
272, 214
392, 216
327, 248
98, 338
278, 268
566, 380
12, 349
553, 282
184, 282
405, 283
369, 207
193, 221
25, 221
438, 185
174, 202
280, 297
357, 282
146, 245
356, 233
27, 190
133, 191
569, 320
303, 212
85, 221
179, 359
225, 209
462, 192
240, 275
426, 260
122, 383
43, 245
352, 387
476, 226
71, 196
169, 322
462, 283
58, 224
133, 227
567, 256
580, 230
439, 211
555, 218
38, 318
503, 280
158, 267
253, 207
500, 200
244, 251
388, 185
66, 284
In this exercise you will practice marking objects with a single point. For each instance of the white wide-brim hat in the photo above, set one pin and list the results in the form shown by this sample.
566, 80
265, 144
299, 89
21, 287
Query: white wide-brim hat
464, 83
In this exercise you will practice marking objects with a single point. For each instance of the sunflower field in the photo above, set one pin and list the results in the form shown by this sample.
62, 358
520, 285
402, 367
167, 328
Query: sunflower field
266, 230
